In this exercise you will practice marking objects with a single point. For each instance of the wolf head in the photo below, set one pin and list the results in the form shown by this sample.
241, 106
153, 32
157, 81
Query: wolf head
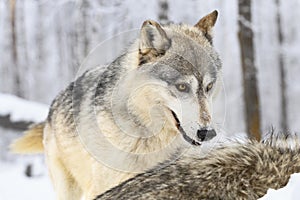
175, 77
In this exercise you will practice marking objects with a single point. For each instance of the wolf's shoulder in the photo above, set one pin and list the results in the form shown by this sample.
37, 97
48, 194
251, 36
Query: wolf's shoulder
69, 98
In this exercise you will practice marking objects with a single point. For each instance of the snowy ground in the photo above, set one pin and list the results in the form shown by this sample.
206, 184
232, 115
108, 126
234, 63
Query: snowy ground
15, 185
290, 191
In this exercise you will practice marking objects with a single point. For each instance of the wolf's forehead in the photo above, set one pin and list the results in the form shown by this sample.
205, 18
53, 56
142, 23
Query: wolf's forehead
190, 57
191, 65
187, 57
188, 31
180, 70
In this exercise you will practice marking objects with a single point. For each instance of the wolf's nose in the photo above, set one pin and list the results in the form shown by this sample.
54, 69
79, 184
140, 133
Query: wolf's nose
205, 134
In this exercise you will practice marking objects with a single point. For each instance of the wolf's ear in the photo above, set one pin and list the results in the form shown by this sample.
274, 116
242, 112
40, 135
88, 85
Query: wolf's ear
153, 42
207, 23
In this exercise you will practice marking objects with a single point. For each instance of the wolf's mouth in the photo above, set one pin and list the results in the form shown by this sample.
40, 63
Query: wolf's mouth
185, 136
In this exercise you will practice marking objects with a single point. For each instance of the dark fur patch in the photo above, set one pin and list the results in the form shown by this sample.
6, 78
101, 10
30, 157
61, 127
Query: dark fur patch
150, 55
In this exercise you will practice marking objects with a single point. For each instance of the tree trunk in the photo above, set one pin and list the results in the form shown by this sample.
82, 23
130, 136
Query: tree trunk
163, 11
85, 9
252, 105
23, 65
17, 83
284, 123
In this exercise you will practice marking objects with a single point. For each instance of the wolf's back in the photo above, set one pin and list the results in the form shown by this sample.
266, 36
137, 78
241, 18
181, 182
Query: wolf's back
31, 142
67, 104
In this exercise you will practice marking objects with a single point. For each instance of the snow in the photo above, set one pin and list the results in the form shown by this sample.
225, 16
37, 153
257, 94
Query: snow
290, 191
15, 185
22, 110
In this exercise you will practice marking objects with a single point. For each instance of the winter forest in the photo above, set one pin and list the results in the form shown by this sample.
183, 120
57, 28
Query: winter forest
44, 45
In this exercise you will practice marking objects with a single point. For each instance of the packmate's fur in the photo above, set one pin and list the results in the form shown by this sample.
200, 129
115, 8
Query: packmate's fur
145, 107
238, 171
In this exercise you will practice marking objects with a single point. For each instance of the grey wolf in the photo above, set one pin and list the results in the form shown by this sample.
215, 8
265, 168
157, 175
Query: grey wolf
238, 171
150, 104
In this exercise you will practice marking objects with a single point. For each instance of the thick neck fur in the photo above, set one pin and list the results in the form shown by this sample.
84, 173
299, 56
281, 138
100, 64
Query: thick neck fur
136, 133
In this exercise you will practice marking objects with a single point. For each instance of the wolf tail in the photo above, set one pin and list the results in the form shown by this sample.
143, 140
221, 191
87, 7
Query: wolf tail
31, 142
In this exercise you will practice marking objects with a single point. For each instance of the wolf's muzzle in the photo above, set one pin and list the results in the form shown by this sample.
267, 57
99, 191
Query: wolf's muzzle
206, 134
185, 136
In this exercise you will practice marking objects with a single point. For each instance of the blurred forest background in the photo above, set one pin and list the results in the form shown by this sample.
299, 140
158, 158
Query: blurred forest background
44, 42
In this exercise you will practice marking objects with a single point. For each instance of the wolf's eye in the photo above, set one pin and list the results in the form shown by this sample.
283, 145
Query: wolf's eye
182, 87
209, 86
